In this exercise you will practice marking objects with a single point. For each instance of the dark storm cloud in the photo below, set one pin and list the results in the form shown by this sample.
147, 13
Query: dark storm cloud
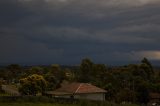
65, 31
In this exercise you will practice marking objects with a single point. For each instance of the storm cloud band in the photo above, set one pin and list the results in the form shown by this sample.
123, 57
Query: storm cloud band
65, 31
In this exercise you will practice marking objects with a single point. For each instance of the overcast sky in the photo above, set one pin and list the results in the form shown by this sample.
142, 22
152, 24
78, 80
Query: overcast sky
66, 31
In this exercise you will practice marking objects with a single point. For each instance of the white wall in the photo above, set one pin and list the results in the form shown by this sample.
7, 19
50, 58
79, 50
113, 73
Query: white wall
95, 96
63, 96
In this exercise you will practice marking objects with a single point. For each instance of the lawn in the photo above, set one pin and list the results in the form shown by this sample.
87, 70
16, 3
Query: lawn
54, 104
34, 104
45, 101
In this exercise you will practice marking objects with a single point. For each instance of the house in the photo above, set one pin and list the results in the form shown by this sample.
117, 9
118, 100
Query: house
12, 90
79, 91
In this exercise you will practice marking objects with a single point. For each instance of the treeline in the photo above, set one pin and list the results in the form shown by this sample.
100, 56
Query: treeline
130, 83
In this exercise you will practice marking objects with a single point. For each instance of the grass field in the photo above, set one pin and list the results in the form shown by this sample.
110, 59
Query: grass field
53, 104
45, 101
34, 104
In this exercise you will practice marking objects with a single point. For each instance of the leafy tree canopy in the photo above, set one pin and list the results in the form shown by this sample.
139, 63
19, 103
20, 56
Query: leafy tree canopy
32, 84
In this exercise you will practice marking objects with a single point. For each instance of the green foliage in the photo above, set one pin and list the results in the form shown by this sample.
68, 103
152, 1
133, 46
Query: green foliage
154, 87
69, 75
142, 90
129, 83
41, 100
92, 73
52, 81
36, 70
34, 104
33, 84
126, 95
110, 95
86, 70
55, 104
54, 76
98, 75
14, 70
14, 67
145, 61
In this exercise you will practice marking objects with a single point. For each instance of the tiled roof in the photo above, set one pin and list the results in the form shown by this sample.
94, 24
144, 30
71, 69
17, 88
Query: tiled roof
78, 88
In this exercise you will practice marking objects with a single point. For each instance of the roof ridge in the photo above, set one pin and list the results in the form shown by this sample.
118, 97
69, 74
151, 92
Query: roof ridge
78, 88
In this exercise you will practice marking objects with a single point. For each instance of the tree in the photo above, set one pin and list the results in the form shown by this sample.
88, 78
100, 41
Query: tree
52, 81
86, 68
35, 70
32, 84
54, 77
142, 92
145, 61
98, 74
110, 95
147, 70
14, 70
126, 95
56, 71
142, 70
69, 75
154, 87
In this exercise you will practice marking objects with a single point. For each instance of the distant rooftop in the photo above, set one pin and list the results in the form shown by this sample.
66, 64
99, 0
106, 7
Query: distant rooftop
77, 88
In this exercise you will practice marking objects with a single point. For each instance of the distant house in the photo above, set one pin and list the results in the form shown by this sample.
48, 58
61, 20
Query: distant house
79, 91
12, 90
